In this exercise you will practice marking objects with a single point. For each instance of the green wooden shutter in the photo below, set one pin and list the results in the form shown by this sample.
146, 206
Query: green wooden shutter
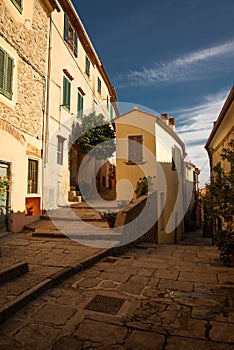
80, 105
75, 49
18, 4
87, 66
111, 112
66, 27
69, 94
2, 65
66, 92
8, 78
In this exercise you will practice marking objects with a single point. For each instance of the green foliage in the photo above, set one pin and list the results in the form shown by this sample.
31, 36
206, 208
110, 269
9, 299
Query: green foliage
4, 185
143, 185
223, 240
220, 202
109, 216
92, 132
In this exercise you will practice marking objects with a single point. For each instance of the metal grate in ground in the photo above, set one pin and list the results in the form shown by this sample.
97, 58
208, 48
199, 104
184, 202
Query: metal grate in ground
108, 305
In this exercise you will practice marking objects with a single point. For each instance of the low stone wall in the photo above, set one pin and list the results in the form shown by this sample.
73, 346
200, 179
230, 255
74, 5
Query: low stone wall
143, 228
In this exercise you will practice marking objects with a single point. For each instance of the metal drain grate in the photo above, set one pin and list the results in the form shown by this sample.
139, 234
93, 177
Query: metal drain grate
108, 305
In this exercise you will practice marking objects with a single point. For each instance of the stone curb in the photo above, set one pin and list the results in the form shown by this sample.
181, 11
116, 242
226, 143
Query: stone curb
13, 271
32, 293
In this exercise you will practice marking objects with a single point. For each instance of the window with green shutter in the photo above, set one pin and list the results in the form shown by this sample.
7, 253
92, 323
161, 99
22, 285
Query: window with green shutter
66, 93
80, 104
6, 74
75, 48
66, 27
70, 35
18, 4
111, 112
99, 85
87, 66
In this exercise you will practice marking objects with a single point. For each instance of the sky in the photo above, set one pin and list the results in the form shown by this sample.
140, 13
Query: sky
172, 56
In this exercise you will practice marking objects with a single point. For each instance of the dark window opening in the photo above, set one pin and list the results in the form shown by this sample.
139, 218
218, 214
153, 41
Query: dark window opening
32, 176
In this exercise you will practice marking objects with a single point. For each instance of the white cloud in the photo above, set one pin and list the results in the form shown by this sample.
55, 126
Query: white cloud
189, 67
197, 123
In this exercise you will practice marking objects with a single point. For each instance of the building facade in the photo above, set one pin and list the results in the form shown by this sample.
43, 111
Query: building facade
222, 132
77, 85
147, 145
50, 76
23, 32
220, 138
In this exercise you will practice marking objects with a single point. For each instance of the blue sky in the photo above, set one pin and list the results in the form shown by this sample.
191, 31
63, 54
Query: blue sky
173, 56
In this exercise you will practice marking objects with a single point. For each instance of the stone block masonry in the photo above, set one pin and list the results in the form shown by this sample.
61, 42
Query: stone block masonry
30, 47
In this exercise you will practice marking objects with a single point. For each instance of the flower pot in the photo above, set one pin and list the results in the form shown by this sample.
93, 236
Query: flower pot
29, 212
111, 224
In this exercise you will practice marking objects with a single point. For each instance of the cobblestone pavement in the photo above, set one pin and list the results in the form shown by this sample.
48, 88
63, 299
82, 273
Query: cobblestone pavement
168, 297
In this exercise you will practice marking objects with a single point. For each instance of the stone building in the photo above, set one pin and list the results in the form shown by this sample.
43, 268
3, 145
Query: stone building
220, 137
147, 145
222, 132
23, 62
50, 76
77, 85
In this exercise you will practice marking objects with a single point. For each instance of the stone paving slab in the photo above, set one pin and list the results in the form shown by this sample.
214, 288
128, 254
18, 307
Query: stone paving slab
48, 262
164, 308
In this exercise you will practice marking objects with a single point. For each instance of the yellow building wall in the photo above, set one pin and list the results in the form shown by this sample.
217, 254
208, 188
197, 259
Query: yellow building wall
222, 137
134, 124
139, 123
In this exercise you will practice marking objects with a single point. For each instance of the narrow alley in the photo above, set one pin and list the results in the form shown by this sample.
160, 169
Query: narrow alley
162, 297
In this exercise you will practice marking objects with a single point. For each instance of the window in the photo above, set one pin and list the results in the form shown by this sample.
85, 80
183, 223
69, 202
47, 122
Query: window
162, 207
87, 66
18, 4
99, 85
70, 35
111, 112
173, 164
60, 150
6, 74
32, 176
107, 102
66, 92
135, 149
80, 103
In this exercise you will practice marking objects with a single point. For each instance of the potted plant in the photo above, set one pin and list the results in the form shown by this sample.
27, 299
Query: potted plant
109, 217
30, 210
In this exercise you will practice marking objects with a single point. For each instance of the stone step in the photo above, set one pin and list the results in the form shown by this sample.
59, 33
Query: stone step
13, 271
19, 292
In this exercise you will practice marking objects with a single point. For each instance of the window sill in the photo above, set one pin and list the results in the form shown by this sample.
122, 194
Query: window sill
132, 163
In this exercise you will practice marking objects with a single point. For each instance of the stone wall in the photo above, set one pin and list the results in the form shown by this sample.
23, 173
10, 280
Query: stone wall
30, 46
132, 227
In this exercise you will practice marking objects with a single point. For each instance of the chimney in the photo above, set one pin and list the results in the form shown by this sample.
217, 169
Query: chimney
165, 118
172, 123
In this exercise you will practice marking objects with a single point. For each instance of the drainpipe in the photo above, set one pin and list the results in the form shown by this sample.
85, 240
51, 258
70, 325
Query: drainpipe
45, 142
